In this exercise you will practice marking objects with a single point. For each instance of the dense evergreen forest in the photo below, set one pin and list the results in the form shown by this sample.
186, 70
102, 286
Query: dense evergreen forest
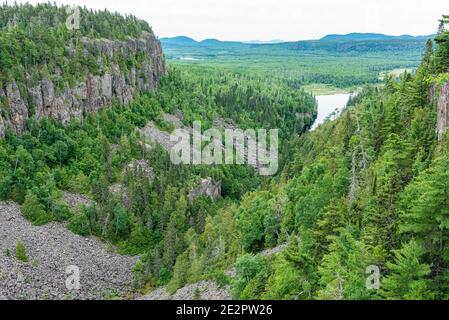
368, 189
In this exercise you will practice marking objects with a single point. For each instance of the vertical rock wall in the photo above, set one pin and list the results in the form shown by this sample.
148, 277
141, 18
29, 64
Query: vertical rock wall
95, 92
443, 110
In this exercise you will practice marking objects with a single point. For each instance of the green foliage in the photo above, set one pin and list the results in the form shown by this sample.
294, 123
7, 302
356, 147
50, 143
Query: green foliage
441, 57
293, 276
34, 211
21, 252
36, 44
79, 222
180, 273
407, 278
252, 272
258, 221
342, 270
340, 64
369, 188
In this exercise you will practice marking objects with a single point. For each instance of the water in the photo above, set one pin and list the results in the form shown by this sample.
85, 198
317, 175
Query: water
328, 104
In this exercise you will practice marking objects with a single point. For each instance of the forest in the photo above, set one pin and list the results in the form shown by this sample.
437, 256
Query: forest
345, 62
367, 189
155, 219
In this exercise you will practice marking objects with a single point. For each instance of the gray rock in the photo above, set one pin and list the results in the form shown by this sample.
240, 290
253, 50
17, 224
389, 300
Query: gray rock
207, 188
121, 191
51, 249
156, 135
175, 120
95, 92
163, 138
18, 111
140, 167
74, 200
443, 111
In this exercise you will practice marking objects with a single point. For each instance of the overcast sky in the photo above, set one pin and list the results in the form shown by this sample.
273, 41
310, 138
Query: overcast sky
277, 19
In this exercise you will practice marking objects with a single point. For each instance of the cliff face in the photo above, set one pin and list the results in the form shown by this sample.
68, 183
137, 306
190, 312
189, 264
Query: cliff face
94, 92
443, 110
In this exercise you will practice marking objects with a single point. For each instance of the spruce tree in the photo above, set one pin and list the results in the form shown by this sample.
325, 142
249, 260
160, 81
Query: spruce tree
407, 278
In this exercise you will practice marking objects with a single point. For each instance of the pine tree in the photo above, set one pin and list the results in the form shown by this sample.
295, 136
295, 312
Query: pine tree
407, 278
425, 216
342, 270
442, 51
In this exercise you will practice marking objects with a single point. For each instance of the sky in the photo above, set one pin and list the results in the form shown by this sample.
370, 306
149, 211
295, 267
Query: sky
290, 20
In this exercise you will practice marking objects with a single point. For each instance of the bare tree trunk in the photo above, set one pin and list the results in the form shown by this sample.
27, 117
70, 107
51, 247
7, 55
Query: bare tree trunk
354, 182
362, 147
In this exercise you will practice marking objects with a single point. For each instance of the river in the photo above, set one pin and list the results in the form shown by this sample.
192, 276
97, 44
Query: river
327, 105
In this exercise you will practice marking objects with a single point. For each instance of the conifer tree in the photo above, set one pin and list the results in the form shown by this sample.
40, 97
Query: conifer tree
407, 274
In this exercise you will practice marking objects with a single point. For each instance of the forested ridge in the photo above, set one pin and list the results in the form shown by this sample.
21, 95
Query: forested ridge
35, 40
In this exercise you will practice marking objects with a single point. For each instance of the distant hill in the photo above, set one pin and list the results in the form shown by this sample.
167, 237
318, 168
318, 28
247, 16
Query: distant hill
264, 42
332, 42
183, 47
212, 42
371, 36
183, 41
180, 40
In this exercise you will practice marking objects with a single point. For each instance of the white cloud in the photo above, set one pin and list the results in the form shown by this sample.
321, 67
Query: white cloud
277, 19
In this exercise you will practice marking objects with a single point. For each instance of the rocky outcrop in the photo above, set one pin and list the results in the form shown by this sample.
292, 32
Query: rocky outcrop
157, 136
17, 113
140, 167
207, 188
91, 94
443, 110
74, 200
164, 138
242, 147
51, 249
121, 191
174, 119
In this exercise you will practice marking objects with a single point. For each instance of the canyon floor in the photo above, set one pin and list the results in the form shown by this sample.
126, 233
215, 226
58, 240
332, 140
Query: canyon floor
52, 248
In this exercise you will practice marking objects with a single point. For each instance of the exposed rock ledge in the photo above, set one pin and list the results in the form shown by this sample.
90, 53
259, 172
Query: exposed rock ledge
51, 248
206, 187
163, 138
95, 92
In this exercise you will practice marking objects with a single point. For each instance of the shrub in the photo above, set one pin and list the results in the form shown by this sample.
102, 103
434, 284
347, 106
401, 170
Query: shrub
21, 252
60, 210
34, 211
79, 222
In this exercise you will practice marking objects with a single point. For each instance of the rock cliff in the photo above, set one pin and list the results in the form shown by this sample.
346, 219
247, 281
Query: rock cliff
443, 110
115, 83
